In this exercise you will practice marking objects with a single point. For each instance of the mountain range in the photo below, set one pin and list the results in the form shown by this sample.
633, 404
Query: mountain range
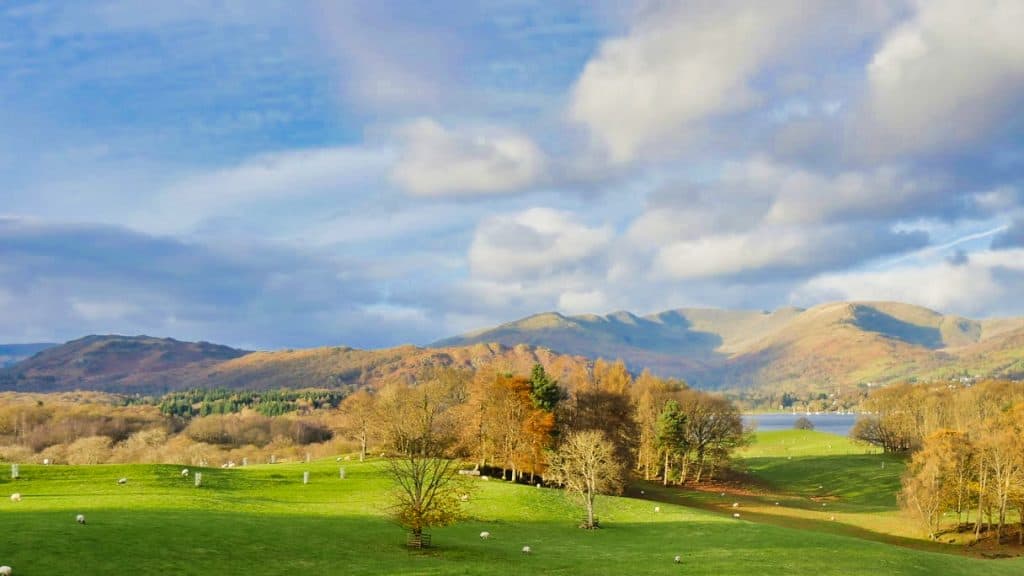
836, 344
843, 343
146, 365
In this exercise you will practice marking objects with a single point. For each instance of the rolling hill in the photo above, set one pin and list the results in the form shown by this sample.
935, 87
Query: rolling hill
145, 365
837, 344
843, 343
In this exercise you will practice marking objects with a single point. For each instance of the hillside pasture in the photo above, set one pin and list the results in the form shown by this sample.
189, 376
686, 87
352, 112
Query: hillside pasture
263, 520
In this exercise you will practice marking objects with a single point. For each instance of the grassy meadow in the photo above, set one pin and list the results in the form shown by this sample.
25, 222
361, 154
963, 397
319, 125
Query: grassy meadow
263, 520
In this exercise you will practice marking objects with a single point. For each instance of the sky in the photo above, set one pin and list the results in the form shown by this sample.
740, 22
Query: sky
287, 174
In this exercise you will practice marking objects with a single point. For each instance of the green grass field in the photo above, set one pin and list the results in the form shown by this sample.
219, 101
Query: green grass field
262, 520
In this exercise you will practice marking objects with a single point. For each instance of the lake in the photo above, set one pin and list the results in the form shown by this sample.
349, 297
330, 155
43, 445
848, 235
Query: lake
831, 423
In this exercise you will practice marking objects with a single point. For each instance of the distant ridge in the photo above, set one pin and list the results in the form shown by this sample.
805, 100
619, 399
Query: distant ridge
11, 354
146, 365
819, 348
841, 343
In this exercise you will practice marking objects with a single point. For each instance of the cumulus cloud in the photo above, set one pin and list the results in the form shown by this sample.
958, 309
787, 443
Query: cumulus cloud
950, 74
987, 283
683, 63
762, 219
777, 251
532, 243
437, 161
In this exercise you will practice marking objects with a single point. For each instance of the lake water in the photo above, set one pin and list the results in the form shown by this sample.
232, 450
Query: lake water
831, 423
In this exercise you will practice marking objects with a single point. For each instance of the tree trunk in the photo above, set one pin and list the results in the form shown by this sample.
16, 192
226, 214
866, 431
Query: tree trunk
590, 510
664, 481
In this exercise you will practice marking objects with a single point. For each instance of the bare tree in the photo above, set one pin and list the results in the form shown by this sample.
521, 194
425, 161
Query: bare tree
359, 411
586, 465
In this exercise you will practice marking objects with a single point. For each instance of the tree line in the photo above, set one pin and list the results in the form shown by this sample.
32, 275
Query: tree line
966, 448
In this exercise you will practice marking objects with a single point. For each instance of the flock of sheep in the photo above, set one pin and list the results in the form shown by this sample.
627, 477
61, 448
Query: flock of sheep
485, 535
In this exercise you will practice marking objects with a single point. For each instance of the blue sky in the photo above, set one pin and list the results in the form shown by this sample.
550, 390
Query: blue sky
287, 174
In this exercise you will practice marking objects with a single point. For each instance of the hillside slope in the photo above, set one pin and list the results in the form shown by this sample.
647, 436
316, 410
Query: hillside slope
844, 343
152, 365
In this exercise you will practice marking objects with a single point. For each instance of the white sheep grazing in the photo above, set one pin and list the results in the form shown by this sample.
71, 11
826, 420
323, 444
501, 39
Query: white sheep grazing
776, 503
735, 504
736, 515
46, 461
184, 473
5, 571
657, 508
485, 535
16, 497
832, 518
527, 550
80, 518
678, 559
122, 481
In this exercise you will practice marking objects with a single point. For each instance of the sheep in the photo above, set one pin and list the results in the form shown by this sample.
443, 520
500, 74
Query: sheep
46, 461
485, 535
678, 559
464, 497
642, 492
736, 515
735, 504
527, 550
16, 497
776, 503
657, 509
122, 481
5, 571
832, 518
80, 518
823, 504
184, 473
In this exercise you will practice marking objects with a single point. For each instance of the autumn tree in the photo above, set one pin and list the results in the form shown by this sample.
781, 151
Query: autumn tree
601, 401
930, 482
420, 431
359, 413
649, 394
586, 465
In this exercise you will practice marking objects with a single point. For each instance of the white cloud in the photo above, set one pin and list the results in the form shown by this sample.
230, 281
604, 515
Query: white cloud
582, 302
987, 283
436, 161
102, 310
288, 175
947, 76
682, 63
535, 242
